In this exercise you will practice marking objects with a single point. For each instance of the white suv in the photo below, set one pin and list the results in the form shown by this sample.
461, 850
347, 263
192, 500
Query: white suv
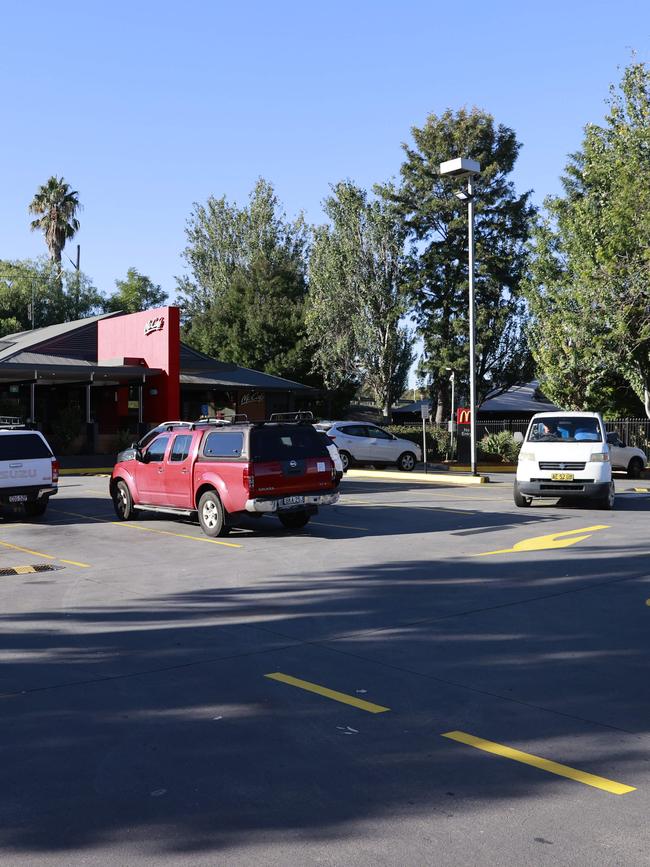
565, 454
29, 472
624, 457
363, 443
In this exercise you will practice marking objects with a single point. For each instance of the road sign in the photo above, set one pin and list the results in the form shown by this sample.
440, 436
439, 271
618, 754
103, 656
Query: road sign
463, 415
425, 409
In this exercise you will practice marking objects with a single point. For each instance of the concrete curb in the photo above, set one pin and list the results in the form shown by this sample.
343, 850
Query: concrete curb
87, 471
430, 478
486, 468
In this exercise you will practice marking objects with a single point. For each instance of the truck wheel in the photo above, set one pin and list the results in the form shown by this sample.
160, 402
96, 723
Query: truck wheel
520, 500
635, 468
346, 460
294, 520
607, 502
35, 510
122, 501
406, 462
212, 516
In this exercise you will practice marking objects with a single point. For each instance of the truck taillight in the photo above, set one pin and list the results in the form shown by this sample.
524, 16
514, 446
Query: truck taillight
249, 479
55, 470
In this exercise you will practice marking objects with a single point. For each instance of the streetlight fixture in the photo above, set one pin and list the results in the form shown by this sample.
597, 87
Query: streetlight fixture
462, 168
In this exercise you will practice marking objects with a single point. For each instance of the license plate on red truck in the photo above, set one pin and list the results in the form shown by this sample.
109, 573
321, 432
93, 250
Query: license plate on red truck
297, 500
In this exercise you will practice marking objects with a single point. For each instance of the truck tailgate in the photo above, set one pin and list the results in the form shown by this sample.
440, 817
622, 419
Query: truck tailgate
294, 476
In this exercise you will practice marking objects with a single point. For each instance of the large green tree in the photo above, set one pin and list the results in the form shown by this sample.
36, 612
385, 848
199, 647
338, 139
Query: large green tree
590, 277
243, 299
136, 292
436, 220
56, 205
57, 296
358, 297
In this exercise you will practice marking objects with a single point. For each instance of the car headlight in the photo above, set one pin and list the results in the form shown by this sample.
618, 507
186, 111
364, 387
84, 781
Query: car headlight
526, 456
599, 457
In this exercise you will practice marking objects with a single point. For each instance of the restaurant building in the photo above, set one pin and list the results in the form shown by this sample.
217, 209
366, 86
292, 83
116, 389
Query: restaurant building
120, 374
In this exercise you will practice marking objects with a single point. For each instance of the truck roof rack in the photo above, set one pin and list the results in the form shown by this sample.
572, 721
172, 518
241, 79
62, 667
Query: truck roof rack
11, 422
301, 415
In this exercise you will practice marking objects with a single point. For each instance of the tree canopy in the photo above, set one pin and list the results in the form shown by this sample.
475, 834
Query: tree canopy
56, 205
136, 292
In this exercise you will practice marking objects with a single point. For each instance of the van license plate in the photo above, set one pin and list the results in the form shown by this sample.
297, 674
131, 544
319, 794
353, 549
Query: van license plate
18, 498
562, 477
293, 501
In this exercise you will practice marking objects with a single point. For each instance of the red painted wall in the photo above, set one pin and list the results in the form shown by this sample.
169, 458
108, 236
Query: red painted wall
124, 337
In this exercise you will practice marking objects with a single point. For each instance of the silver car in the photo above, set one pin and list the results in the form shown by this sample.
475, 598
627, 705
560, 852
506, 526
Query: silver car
363, 443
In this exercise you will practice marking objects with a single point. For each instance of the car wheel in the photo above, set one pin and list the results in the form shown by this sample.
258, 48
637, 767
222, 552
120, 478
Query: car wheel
35, 510
406, 462
294, 520
520, 500
635, 468
346, 460
212, 516
122, 501
607, 502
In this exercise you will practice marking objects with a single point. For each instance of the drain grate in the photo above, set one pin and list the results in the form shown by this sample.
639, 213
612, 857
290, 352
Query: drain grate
29, 570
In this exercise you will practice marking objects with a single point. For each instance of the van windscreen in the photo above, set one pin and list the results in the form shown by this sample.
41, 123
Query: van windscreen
565, 429
286, 443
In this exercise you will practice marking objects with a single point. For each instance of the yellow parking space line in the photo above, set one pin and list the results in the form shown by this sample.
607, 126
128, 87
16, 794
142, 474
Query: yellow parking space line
340, 526
343, 697
178, 535
641, 490
41, 554
548, 542
597, 782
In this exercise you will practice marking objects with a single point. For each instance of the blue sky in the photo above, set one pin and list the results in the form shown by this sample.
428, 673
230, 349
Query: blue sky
146, 107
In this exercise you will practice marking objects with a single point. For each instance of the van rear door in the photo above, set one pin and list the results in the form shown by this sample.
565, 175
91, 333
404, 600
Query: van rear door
25, 460
289, 459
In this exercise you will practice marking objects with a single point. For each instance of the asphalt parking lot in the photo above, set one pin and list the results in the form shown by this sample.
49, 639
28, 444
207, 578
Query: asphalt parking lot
425, 675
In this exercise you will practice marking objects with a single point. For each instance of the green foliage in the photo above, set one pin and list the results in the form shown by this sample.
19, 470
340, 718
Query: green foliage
437, 223
438, 439
500, 445
588, 287
244, 301
59, 296
137, 292
357, 296
57, 205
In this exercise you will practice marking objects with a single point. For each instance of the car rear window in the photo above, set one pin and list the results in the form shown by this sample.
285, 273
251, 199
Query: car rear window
283, 444
18, 447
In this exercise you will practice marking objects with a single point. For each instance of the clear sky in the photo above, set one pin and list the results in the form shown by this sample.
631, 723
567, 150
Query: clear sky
145, 107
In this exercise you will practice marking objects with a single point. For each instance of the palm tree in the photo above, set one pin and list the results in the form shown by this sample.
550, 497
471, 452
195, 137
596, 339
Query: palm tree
57, 205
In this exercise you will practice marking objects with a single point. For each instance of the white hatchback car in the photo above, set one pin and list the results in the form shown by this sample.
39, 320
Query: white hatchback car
363, 443
628, 458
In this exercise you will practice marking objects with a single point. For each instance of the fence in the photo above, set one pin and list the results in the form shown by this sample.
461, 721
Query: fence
633, 431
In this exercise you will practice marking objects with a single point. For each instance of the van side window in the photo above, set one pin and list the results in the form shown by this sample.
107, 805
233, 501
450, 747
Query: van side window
180, 448
224, 444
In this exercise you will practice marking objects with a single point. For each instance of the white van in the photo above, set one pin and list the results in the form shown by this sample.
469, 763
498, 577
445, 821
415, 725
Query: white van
565, 454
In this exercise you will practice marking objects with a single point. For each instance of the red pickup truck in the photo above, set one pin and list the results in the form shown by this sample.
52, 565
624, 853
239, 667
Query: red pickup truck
226, 471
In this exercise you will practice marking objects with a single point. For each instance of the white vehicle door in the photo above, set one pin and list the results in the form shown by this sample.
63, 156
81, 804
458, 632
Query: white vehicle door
617, 454
25, 460
352, 438
382, 446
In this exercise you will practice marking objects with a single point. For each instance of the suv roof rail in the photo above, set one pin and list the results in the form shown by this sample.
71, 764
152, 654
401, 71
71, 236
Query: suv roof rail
301, 415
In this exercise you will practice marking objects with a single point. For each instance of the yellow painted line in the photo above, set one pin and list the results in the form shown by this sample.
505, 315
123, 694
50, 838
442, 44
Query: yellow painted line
24, 570
432, 478
641, 490
87, 471
27, 551
340, 526
169, 533
40, 554
343, 697
544, 764
548, 542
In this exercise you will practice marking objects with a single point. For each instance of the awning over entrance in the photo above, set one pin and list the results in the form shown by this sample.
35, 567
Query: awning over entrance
71, 373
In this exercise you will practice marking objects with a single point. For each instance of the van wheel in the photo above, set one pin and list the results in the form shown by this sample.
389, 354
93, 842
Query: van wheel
212, 516
520, 500
406, 462
346, 460
607, 502
635, 468
35, 510
122, 501
294, 520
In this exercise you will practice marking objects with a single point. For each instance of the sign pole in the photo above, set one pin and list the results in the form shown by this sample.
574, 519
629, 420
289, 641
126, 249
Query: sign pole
425, 408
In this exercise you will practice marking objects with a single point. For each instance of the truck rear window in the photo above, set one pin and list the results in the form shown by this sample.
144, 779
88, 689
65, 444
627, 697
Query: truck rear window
283, 444
20, 447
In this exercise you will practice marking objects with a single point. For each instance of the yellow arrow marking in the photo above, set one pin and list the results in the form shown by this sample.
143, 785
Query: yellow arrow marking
546, 543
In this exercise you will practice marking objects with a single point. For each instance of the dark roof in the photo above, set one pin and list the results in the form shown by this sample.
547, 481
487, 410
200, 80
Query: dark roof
241, 377
525, 398
68, 342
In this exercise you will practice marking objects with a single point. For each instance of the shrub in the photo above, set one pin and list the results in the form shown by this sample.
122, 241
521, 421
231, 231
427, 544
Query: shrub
438, 438
500, 445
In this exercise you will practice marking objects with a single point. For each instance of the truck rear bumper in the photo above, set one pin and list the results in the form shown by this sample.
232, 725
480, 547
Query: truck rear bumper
28, 494
264, 505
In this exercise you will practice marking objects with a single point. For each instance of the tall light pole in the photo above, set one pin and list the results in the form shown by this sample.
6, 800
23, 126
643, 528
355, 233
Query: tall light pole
452, 421
462, 168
